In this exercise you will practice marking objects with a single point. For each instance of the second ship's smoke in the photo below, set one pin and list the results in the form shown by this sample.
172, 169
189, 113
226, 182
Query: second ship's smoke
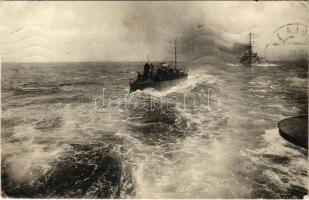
198, 40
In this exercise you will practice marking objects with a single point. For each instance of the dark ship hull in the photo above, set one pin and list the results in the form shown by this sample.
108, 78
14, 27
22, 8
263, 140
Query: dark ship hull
158, 85
249, 59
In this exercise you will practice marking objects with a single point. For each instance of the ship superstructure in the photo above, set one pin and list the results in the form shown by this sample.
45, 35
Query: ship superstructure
250, 57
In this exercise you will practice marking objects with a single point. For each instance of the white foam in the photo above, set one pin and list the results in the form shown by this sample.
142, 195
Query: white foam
195, 77
27, 161
233, 64
265, 65
275, 145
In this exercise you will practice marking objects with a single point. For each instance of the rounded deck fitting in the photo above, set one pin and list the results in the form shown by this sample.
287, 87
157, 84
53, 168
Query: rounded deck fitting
295, 130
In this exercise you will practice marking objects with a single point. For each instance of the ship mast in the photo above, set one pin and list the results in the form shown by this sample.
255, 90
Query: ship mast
250, 47
175, 54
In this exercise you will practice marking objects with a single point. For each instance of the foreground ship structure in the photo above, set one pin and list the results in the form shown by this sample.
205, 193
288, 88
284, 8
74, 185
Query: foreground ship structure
250, 57
158, 76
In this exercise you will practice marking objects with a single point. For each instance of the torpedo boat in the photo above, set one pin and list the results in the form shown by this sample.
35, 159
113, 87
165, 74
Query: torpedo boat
158, 76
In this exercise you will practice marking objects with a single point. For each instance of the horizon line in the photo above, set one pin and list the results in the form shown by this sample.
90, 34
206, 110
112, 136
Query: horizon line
85, 61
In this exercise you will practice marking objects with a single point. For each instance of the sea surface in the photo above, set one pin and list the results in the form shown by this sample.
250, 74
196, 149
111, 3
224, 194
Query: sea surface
72, 130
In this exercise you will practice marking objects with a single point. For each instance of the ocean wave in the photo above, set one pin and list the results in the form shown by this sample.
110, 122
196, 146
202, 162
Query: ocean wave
274, 155
58, 146
194, 78
297, 81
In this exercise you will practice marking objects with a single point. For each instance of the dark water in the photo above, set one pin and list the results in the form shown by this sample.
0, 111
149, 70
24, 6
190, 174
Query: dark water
57, 143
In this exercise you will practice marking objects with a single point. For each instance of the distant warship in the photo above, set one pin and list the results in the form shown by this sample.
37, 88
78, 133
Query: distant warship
250, 57
158, 75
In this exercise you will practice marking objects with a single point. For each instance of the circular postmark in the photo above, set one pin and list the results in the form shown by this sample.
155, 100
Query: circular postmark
294, 33
289, 43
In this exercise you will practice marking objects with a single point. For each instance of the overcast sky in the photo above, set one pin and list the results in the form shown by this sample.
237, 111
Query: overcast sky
128, 31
